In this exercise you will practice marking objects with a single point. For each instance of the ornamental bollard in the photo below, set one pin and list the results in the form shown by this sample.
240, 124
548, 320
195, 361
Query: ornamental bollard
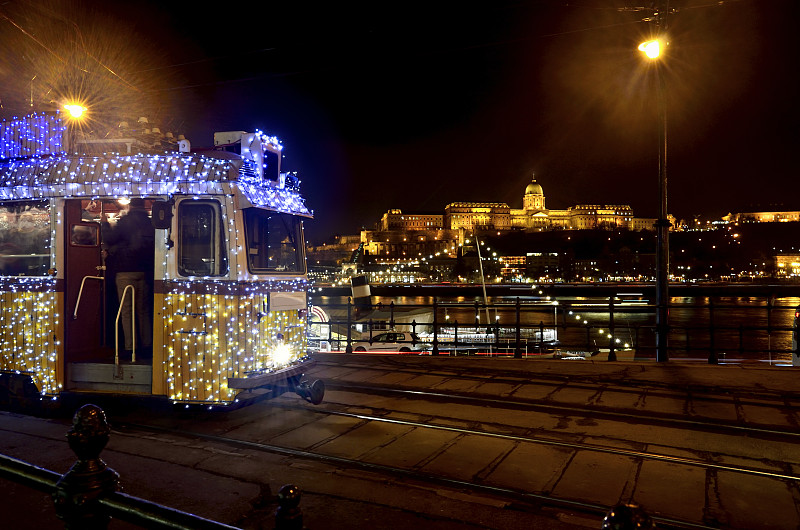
627, 517
288, 515
79, 490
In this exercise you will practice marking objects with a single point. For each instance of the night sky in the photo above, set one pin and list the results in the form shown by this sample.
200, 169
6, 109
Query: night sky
417, 104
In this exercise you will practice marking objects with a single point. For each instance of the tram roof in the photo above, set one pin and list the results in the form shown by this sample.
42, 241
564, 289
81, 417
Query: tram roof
117, 175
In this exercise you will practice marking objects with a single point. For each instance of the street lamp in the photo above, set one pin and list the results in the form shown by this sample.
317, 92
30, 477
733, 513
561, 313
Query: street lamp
75, 110
653, 49
76, 114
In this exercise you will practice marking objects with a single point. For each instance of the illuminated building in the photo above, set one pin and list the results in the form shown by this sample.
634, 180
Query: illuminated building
787, 265
762, 217
407, 236
477, 216
396, 220
410, 244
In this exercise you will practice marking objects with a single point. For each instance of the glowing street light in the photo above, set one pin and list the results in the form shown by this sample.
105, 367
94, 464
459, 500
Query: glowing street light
75, 110
652, 48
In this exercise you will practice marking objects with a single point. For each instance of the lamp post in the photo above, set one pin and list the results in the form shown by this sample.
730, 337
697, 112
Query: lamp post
653, 50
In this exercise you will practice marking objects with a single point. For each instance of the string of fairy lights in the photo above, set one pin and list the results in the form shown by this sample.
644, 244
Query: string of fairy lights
214, 328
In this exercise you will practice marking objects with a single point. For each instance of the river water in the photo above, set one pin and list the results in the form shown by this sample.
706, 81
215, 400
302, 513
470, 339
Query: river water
733, 329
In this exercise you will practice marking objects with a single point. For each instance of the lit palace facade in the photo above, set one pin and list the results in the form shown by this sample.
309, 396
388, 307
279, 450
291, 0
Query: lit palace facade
400, 235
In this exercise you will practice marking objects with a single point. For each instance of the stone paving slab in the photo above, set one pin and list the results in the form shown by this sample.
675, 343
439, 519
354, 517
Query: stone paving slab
595, 478
363, 439
724, 410
311, 434
757, 502
531, 467
612, 398
655, 493
496, 389
412, 448
467, 456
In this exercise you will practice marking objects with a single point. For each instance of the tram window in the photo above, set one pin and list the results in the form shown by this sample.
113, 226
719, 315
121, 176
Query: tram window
201, 250
274, 242
84, 236
24, 238
271, 163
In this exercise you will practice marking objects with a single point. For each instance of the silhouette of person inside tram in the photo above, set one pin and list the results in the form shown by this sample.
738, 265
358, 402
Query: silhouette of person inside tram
129, 248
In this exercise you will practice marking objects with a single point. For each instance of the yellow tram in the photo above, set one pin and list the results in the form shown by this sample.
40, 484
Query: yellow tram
227, 293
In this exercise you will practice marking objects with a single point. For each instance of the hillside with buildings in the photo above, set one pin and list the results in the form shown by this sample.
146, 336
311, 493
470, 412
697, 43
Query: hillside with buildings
585, 242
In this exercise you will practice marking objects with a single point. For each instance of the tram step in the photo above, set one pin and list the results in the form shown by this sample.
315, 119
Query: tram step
128, 378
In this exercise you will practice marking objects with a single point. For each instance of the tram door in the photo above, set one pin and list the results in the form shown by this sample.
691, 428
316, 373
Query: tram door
84, 290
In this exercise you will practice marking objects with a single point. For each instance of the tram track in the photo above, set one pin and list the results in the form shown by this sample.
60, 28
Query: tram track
558, 408
347, 402
628, 384
441, 425
521, 500
553, 441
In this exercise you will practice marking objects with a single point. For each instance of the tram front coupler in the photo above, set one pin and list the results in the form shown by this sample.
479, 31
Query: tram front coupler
313, 392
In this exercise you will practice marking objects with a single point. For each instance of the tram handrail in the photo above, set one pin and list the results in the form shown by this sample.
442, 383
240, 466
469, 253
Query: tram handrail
80, 293
133, 325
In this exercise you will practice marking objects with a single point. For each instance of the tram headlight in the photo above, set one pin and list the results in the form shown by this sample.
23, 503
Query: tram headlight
282, 354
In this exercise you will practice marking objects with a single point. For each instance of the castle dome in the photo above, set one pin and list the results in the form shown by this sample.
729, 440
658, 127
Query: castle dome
534, 188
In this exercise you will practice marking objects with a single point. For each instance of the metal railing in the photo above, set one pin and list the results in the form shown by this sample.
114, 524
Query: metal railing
705, 329
87, 496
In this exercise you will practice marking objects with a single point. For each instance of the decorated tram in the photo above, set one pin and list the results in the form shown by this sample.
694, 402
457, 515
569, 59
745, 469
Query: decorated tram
226, 294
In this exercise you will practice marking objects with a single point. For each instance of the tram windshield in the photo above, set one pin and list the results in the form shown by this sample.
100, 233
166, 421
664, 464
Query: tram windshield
24, 238
274, 242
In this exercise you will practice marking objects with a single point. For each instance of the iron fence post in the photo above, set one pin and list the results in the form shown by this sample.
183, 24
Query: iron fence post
612, 352
455, 339
349, 347
517, 350
79, 490
391, 315
769, 328
435, 350
541, 336
712, 352
588, 338
497, 336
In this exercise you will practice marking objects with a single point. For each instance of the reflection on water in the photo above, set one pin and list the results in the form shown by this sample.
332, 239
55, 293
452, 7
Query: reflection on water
736, 327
